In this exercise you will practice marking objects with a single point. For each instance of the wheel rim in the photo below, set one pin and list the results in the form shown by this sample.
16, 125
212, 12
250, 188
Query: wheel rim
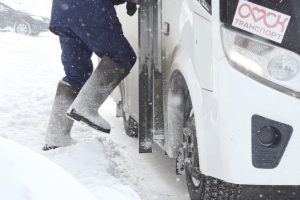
22, 29
191, 153
193, 167
196, 182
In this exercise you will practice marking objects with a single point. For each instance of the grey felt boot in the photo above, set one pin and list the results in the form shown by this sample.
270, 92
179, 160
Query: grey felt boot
59, 126
95, 91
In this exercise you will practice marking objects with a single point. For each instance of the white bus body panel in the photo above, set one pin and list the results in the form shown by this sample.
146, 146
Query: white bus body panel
203, 51
130, 30
239, 99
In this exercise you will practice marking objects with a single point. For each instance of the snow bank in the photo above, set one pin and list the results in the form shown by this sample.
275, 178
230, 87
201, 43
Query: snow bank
89, 163
27, 175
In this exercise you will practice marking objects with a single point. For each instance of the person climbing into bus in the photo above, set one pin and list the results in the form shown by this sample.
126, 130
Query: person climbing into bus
86, 27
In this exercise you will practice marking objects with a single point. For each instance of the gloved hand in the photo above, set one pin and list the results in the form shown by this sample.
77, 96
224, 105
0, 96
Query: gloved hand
118, 2
131, 8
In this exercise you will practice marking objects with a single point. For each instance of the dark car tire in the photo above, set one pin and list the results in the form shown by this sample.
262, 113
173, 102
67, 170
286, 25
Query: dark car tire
35, 33
130, 125
23, 28
203, 187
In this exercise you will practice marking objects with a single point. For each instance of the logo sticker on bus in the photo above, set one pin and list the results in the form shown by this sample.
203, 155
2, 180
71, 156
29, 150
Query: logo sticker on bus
261, 21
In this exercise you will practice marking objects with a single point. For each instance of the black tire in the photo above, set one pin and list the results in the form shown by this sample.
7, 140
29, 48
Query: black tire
194, 178
203, 187
130, 125
23, 28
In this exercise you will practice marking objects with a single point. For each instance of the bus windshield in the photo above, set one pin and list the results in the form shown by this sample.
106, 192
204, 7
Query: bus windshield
228, 9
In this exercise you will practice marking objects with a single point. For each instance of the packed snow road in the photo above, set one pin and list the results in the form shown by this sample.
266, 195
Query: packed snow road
103, 164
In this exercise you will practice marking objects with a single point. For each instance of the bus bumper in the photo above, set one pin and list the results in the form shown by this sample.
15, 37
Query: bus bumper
217, 189
240, 100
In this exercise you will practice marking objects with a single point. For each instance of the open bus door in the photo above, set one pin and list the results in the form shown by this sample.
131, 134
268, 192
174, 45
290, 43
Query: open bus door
150, 78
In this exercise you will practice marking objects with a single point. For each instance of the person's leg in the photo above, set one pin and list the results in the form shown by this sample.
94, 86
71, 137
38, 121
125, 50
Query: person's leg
111, 43
59, 126
117, 60
76, 59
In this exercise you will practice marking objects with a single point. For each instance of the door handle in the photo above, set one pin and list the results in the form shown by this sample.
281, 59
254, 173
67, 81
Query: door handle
165, 28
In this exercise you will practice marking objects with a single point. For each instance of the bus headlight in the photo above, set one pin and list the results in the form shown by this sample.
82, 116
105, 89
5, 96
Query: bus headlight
283, 67
258, 59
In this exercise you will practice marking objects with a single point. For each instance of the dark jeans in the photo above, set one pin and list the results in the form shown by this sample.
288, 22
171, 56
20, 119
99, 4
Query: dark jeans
78, 44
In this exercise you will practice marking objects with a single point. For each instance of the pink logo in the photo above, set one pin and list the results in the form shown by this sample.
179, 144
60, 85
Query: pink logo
262, 14
261, 21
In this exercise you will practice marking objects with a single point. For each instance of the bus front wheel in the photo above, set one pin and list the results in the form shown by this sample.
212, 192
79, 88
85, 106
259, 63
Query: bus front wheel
200, 186
194, 177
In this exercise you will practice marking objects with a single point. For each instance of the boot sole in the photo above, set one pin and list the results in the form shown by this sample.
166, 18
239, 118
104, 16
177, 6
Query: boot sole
47, 147
75, 116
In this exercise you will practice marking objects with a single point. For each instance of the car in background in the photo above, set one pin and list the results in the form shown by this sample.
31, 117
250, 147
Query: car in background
21, 22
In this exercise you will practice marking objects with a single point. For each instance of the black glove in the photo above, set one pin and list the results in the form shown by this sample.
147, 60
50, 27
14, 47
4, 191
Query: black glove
117, 2
131, 8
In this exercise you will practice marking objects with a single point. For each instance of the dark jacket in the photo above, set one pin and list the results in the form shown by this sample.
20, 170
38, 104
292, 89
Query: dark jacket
92, 13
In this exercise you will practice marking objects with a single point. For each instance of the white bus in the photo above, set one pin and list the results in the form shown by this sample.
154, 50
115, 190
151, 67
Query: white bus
217, 87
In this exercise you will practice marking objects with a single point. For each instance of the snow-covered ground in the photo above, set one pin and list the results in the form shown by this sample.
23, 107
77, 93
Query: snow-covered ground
108, 166
27, 175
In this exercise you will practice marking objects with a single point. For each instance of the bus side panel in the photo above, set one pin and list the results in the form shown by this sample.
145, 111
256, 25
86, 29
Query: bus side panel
130, 30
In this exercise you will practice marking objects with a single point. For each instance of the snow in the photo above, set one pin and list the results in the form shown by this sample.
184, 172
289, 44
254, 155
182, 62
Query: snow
37, 178
35, 7
106, 166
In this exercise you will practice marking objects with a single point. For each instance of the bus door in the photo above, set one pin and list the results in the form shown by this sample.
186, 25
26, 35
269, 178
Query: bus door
151, 125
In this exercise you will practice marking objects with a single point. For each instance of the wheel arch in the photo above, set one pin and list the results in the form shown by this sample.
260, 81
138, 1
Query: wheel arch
182, 78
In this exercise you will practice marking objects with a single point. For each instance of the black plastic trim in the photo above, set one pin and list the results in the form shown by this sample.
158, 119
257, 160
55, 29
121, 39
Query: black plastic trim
270, 192
268, 157
218, 189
